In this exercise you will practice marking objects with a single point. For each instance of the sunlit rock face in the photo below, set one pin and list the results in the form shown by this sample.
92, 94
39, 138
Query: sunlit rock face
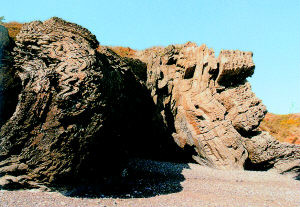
78, 111
206, 100
208, 104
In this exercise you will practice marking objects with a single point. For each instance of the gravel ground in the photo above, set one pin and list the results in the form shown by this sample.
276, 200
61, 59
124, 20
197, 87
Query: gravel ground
169, 184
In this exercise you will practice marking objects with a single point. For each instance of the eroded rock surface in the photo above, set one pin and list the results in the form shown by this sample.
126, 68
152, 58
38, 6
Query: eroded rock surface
208, 104
191, 87
81, 110
267, 153
62, 105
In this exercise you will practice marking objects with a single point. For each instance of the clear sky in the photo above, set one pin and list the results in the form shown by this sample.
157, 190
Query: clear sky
269, 28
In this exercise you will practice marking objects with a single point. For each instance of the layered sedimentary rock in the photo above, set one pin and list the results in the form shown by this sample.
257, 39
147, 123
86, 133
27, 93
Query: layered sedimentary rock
267, 153
62, 105
209, 105
82, 110
206, 100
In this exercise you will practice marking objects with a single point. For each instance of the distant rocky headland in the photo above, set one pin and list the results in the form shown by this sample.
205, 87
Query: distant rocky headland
72, 111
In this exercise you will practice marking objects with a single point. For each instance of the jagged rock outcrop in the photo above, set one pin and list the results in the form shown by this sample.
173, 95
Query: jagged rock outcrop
82, 110
208, 104
206, 100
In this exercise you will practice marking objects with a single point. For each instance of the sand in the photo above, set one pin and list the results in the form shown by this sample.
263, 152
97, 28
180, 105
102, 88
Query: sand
171, 184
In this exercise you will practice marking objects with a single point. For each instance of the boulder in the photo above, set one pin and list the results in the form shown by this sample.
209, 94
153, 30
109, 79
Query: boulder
55, 128
267, 153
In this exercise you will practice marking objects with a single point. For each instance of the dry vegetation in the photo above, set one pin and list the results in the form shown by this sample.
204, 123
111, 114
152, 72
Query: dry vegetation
285, 128
13, 28
124, 51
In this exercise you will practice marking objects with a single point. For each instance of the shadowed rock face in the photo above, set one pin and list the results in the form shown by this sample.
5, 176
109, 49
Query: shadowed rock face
4, 41
4, 38
82, 111
9, 81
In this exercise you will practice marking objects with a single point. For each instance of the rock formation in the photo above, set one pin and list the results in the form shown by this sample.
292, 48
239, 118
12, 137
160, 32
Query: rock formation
4, 41
79, 111
266, 153
209, 105
9, 84
82, 110
4, 38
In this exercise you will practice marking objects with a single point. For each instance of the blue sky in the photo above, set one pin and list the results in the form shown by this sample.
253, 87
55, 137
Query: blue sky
269, 28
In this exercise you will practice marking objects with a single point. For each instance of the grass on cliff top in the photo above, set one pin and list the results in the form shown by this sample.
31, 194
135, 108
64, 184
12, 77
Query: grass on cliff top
13, 29
124, 51
285, 128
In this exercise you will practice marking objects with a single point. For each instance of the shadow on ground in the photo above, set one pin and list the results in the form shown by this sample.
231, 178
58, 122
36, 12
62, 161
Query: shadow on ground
139, 179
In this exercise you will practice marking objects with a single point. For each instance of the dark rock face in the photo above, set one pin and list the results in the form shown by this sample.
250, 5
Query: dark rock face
4, 38
4, 42
9, 82
81, 110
